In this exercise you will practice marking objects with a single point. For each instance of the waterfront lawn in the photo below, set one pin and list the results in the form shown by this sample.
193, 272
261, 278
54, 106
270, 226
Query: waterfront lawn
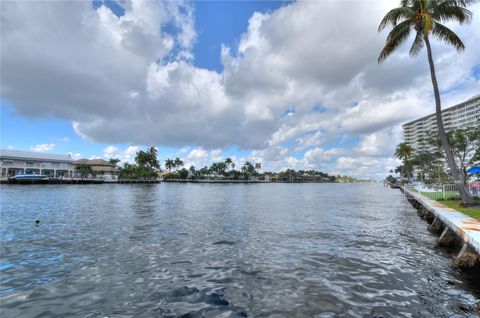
455, 204
439, 195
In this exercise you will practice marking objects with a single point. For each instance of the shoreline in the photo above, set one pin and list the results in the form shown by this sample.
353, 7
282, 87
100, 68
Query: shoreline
141, 181
455, 228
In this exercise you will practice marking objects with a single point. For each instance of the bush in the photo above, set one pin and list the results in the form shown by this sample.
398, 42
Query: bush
170, 176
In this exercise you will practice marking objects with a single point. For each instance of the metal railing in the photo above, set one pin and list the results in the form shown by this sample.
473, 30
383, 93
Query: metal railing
441, 191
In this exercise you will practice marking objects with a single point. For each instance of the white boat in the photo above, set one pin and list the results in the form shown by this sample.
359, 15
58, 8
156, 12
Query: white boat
29, 177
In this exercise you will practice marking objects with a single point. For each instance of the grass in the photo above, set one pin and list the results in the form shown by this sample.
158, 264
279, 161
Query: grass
455, 204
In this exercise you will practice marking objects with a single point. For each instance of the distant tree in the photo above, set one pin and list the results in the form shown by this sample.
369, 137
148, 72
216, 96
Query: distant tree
169, 164
183, 173
222, 167
391, 179
178, 163
465, 144
404, 152
85, 170
258, 166
248, 169
204, 171
235, 174
142, 158
228, 162
426, 162
114, 161
152, 158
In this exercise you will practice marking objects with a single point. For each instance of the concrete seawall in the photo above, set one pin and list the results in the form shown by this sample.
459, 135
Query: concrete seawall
455, 228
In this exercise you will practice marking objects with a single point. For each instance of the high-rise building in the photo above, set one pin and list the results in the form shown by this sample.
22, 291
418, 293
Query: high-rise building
463, 115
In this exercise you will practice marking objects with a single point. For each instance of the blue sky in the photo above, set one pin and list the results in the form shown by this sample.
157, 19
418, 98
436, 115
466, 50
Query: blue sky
274, 82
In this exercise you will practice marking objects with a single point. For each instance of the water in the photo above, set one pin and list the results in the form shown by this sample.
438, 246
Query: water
203, 250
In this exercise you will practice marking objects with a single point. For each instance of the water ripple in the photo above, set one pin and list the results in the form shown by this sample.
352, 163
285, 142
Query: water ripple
189, 250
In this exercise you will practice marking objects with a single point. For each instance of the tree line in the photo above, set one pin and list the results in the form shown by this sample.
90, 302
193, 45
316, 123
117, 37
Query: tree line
147, 166
217, 170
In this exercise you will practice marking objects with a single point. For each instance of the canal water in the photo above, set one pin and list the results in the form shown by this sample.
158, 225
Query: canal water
222, 250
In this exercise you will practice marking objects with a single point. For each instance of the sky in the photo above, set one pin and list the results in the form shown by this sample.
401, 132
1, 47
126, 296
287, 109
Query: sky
288, 84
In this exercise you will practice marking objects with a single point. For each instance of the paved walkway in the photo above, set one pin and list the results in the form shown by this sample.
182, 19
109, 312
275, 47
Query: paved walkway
466, 227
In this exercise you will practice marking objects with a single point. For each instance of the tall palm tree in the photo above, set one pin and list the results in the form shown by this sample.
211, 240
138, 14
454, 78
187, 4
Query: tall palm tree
403, 152
425, 18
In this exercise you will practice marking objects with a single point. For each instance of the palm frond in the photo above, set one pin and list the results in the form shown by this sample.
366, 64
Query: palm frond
447, 36
445, 11
465, 3
397, 36
395, 15
417, 44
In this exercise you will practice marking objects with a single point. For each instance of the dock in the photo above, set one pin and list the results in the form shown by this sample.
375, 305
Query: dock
455, 228
77, 181
138, 181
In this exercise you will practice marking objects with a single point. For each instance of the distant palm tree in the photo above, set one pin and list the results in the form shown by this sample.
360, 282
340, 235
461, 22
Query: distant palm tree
403, 152
153, 153
178, 163
114, 161
85, 170
229, 162
425, 17
169, 164
258, 166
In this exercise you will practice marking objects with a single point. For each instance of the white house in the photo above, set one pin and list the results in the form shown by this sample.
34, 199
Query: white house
14, 162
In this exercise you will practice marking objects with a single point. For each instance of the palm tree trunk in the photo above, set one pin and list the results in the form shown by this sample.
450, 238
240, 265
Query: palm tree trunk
464, 194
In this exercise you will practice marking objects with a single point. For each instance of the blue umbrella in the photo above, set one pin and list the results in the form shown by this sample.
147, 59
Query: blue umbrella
474, 170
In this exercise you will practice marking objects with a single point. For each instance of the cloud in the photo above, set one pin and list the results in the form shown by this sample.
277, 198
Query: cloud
75, 156
42, 147
380, 143
132, 79
126, 155
199, 157
365, 166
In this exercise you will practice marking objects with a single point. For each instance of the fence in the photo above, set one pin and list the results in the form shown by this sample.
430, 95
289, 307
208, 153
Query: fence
442, 191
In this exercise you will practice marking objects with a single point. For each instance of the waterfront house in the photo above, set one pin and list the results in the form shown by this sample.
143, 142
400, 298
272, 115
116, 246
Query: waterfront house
99, 168
15, 162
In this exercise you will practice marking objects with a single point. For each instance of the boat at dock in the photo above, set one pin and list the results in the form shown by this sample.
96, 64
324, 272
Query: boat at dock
29, 178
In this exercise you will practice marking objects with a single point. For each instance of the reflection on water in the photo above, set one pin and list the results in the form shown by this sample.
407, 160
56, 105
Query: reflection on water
258, 250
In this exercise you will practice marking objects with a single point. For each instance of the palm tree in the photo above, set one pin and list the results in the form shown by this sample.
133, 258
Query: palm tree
258, 166
84, 169
114, 161
229, 162
403, 152
425, 17
178, 163
153, 153
169, 164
